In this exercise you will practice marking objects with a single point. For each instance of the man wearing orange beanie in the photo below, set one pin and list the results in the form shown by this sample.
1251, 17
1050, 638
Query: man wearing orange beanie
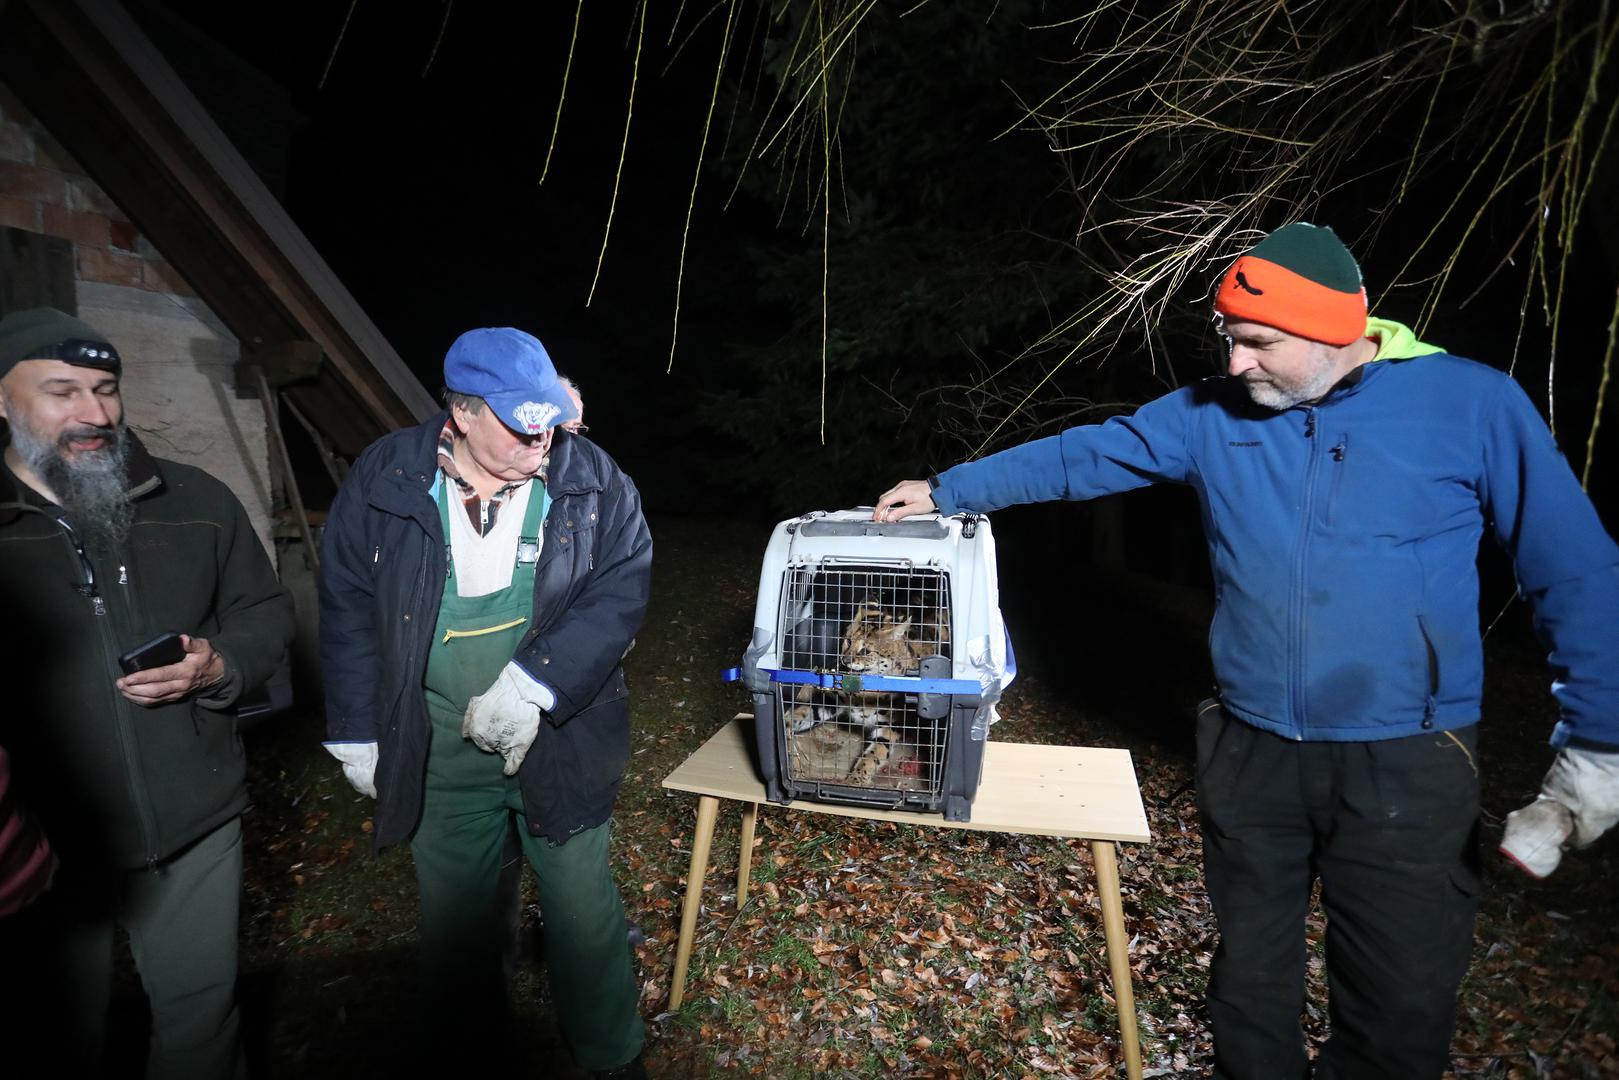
1346, 473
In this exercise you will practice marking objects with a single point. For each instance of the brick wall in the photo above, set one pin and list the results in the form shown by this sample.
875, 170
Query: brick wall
43, 190
178, 385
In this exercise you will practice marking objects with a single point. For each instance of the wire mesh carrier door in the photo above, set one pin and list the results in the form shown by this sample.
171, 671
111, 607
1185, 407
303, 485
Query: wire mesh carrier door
876, 661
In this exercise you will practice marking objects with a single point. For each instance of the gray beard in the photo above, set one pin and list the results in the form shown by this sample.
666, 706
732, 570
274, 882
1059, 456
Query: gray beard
91, 488
1281, 397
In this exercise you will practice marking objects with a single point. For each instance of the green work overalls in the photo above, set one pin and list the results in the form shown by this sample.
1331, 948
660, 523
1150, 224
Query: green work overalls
466, 814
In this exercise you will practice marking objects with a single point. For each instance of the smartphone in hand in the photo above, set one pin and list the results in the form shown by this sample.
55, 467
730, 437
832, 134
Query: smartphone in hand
161, 651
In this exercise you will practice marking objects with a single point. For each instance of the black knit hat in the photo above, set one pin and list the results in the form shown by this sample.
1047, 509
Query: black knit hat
48, 334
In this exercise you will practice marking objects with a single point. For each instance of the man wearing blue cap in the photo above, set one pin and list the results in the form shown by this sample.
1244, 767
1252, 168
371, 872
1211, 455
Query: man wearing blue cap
483, 577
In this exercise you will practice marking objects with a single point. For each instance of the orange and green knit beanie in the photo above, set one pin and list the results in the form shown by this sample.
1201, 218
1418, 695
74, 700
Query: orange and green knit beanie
1300, 279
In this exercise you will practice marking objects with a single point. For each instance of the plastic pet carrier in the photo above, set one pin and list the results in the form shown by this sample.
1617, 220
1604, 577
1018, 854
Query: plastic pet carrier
877, 658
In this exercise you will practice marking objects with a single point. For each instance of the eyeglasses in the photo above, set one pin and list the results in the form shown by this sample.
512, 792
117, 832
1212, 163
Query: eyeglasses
576, 429
80, 352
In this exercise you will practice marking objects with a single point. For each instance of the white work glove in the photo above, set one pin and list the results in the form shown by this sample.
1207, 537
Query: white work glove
505, 718
1578, 802
359, 764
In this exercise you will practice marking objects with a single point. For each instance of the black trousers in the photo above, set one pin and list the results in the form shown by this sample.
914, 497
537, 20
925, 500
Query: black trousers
1389, 828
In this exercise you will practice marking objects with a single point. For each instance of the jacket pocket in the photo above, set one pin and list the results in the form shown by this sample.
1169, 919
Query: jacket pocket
1225, 747
572, 525
1431, 701
1210, 718
614, 689
599, 736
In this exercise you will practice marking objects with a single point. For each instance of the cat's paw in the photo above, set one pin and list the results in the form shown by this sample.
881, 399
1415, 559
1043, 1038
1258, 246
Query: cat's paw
874, 757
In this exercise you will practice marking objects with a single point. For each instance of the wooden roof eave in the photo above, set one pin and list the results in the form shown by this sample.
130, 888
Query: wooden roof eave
103, 89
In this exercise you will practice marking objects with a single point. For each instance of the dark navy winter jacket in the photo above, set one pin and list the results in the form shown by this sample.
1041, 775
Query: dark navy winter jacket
1344, 536
382, 578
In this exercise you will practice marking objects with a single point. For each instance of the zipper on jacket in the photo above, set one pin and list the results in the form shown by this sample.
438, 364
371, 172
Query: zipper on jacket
121, 708
130, 745
87, 587
1296, 602
415, 600
1339, 453
1430, 704
128, 721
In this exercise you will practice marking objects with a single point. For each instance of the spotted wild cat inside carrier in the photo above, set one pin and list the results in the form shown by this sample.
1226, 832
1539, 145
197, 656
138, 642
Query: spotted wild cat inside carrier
878, 655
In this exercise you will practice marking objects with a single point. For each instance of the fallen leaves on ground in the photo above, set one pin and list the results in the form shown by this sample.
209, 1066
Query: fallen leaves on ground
878, 950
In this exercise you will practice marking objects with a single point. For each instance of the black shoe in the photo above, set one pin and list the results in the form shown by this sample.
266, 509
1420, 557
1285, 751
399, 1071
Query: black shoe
632, 1071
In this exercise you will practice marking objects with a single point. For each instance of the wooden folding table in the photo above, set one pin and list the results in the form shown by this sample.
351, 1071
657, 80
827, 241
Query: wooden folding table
1084, 793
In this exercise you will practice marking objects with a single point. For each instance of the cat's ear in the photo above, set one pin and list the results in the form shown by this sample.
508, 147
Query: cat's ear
899, 629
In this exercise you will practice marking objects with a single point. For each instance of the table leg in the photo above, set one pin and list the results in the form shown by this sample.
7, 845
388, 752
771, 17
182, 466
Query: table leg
707, 807
1118, 952
744, 860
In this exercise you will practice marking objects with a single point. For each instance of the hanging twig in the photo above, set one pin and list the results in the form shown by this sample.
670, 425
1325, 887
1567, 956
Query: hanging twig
442, 26
691, 201
1602, 397
562, 95
623, 149
332, 56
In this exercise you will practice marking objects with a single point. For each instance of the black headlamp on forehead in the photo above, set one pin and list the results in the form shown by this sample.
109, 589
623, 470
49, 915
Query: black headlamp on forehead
81, 352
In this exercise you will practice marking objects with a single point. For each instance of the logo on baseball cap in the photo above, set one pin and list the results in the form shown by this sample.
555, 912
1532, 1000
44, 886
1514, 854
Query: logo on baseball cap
513, 373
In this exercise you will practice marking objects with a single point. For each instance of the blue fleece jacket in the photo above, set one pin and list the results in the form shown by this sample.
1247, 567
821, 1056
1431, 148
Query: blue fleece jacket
1343, 537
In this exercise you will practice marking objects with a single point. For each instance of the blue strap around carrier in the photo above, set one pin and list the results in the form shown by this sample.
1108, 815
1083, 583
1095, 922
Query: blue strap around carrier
902, 684
849, 682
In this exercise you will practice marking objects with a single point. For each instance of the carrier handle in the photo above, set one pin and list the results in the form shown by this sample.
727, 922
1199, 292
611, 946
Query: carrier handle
866, 560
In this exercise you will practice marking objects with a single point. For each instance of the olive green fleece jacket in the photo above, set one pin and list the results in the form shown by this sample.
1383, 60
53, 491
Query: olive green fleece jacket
115, 784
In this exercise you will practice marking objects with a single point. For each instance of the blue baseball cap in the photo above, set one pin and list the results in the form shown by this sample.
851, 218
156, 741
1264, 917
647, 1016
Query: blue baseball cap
513, 373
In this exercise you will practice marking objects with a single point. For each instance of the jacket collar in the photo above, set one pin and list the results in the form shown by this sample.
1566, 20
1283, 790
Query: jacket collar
576, 466
1352, 383
141, 478
404, 475
409, 469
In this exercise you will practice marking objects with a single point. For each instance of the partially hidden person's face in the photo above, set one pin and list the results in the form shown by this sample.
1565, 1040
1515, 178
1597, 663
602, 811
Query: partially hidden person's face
577, 424
497, 449
1278, 369
74, 411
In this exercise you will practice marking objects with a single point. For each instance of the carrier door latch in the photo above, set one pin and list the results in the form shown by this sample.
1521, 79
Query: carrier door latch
933, 706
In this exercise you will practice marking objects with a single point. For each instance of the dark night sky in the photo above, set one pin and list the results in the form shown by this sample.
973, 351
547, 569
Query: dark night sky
422, 191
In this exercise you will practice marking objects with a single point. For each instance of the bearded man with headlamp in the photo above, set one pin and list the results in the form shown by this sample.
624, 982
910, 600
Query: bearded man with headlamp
138, 778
